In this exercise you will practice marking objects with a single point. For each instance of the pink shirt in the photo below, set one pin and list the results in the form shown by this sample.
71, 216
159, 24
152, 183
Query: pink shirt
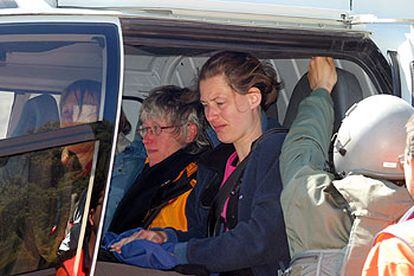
230, 168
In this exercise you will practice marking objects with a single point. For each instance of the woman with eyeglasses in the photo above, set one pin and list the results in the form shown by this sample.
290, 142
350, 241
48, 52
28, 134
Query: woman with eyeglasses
170, 124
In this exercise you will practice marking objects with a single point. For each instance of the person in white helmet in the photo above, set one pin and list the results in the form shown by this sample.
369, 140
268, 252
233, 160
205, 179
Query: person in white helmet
330, 218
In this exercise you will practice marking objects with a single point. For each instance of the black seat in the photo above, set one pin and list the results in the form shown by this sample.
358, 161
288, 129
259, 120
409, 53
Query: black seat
39, 114
346, 92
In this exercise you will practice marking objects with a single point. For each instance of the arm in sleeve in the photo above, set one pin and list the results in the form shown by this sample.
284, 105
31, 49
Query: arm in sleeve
307, 142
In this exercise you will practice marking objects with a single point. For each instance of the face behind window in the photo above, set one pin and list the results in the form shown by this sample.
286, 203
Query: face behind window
78, 110
79, 106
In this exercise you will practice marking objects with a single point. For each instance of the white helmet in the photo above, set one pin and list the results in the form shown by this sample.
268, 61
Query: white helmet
371, 138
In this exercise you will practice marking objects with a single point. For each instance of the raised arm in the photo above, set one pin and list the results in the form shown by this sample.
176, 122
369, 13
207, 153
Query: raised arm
307, 142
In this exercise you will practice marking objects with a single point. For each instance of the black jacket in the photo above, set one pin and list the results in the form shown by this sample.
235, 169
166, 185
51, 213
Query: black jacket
153, 187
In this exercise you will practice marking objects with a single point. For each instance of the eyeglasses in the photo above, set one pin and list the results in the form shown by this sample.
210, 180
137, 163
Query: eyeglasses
407, 157
154, 130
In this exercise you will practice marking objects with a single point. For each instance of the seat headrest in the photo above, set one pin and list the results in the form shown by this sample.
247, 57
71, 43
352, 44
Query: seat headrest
346, 92
39, 113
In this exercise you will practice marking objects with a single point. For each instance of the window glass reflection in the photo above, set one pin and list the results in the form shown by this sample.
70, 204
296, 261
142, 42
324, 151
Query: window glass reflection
42, 73
41, 196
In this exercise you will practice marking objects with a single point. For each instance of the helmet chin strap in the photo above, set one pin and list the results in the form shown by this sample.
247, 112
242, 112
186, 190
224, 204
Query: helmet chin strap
330, 165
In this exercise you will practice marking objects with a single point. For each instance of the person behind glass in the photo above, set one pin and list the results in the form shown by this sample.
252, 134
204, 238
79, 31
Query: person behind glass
53, 179
79, 104
247, 233
170, 124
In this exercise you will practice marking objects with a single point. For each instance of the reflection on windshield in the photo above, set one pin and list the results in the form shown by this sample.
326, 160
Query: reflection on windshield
38, 197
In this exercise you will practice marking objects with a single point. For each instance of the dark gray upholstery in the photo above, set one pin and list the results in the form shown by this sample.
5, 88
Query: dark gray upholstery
346, 92
39, 114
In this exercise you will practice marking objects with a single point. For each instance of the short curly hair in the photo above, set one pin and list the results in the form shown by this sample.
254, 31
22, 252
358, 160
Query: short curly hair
179, 106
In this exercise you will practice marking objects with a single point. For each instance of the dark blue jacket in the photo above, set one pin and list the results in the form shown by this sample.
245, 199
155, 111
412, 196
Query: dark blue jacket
258, 241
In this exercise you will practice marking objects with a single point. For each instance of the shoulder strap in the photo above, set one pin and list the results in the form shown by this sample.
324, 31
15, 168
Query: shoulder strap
232, 185
229, 185
215, 162
223, 194
233, 206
